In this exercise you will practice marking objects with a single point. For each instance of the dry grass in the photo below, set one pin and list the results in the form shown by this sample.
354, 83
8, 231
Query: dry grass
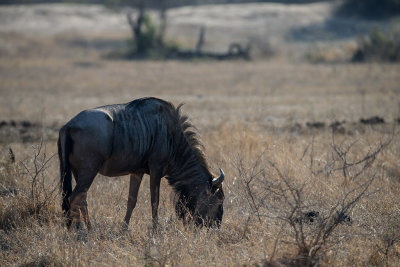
53, 81
252, 117
257, 226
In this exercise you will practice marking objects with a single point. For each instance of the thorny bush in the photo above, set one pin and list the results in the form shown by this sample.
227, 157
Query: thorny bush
311, 200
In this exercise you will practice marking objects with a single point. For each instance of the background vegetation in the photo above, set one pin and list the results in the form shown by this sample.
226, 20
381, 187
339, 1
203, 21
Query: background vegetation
376, 9
310, 151
379, 46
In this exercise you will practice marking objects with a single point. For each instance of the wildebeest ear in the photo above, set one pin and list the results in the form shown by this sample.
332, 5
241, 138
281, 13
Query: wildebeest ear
217, 182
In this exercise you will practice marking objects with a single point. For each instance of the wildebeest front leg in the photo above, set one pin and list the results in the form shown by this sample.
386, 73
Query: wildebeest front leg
135, 180
155, 179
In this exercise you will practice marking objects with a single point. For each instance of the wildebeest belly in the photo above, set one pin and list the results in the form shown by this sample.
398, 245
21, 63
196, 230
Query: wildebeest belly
116, 166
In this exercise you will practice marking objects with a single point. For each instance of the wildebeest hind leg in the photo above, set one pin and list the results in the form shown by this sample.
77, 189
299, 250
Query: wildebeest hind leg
134, 184
85, 213
78, 198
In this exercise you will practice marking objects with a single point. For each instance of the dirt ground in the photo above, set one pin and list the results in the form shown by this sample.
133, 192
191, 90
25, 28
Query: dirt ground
53, 65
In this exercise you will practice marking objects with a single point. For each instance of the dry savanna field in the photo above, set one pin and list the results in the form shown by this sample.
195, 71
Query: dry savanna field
307, 183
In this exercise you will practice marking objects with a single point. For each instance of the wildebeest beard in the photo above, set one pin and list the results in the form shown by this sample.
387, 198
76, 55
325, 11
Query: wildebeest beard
204, 209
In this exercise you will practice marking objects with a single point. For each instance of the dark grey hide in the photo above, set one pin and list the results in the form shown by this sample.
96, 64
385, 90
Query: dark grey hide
149, 136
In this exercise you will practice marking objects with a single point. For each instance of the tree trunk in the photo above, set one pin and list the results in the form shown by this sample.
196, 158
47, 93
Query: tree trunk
136, 27
163, 21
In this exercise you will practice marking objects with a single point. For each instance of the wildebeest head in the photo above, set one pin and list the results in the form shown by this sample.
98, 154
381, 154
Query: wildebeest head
205, 209
209, 205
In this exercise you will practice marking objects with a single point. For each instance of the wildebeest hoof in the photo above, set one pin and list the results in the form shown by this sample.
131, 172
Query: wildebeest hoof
154, 229
82, 236
78, 226
124, 228
81, 233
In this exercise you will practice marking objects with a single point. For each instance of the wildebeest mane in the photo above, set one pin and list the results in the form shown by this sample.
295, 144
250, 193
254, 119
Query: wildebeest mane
187, 154
191, 136
191, 167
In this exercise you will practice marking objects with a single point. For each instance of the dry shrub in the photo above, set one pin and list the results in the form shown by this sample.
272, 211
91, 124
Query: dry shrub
26, 192
8, 172
307, 195
387, 246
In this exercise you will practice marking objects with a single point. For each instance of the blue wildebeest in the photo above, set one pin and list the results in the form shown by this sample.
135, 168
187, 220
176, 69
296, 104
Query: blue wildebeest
149, 136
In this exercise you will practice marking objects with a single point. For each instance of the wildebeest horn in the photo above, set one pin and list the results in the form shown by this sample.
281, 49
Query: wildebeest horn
218, 181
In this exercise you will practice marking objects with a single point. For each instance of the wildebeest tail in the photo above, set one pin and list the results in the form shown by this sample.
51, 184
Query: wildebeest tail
64, 149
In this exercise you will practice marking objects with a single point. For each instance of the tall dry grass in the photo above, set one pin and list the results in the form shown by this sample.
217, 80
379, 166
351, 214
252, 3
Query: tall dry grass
309, 199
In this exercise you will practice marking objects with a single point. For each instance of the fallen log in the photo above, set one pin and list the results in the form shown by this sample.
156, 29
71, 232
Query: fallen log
235, 51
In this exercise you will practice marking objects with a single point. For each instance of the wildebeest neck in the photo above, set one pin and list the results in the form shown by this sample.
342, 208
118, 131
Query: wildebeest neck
188, 167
